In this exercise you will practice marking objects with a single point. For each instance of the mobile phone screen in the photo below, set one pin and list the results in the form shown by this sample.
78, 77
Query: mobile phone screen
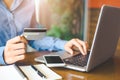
53, 59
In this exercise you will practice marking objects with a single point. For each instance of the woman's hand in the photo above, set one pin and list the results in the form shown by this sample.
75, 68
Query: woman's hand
15, 49
76, 44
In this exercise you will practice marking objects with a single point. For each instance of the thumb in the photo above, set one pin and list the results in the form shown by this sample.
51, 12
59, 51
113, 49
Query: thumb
23, 39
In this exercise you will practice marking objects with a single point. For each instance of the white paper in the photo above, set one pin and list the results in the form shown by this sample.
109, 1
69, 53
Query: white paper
10, 72
32, 75
51, 75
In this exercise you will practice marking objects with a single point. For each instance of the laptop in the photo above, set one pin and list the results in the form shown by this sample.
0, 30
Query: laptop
104, 42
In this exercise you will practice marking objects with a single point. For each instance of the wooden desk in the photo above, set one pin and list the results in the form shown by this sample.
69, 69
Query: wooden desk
107, 71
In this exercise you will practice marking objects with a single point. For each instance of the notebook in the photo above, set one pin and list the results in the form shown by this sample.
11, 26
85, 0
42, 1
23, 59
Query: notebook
26, 72
32, 74
104, 42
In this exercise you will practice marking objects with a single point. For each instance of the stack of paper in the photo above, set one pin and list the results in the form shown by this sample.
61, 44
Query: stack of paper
11, 72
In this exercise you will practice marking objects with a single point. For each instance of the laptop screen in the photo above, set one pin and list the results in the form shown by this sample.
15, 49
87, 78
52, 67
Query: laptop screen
106, 36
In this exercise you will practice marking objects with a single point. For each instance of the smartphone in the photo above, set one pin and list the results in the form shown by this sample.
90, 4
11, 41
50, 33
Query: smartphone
53, 61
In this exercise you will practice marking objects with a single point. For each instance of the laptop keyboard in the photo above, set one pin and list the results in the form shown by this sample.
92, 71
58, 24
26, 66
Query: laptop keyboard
78, 60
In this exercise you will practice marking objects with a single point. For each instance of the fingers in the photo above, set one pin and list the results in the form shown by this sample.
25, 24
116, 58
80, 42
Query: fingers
19, 52
15, 49
11, 56
23, 39
84, 46
19, 46
17, 39
15, 59
20, 57
78, 44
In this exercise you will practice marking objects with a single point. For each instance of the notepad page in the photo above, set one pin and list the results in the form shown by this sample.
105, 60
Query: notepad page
10, 73
51, 75
30, 73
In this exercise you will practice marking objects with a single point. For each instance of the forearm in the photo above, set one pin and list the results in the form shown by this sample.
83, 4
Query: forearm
48, 43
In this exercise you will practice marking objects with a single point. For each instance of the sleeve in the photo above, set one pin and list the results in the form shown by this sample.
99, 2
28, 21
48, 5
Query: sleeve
48, 43
1, 55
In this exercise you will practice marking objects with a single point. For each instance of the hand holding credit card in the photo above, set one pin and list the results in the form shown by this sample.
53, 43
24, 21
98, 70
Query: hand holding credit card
34, 33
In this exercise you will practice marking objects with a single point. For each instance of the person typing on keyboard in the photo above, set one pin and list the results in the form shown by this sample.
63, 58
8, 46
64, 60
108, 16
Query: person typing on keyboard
17, 15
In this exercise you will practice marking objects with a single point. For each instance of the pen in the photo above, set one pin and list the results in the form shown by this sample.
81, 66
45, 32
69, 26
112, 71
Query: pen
39, 73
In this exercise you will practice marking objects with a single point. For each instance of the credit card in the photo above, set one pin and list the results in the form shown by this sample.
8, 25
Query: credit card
34, 33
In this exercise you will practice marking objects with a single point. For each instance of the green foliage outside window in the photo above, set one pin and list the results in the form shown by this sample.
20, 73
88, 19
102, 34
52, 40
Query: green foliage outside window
67, 19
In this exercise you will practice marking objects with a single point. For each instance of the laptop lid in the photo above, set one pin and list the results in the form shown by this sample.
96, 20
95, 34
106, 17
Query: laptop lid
106, 36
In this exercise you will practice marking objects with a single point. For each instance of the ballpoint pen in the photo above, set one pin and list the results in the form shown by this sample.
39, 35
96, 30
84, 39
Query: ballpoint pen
38, 72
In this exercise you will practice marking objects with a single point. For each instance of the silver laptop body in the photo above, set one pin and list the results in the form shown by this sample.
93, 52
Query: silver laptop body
104, 42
